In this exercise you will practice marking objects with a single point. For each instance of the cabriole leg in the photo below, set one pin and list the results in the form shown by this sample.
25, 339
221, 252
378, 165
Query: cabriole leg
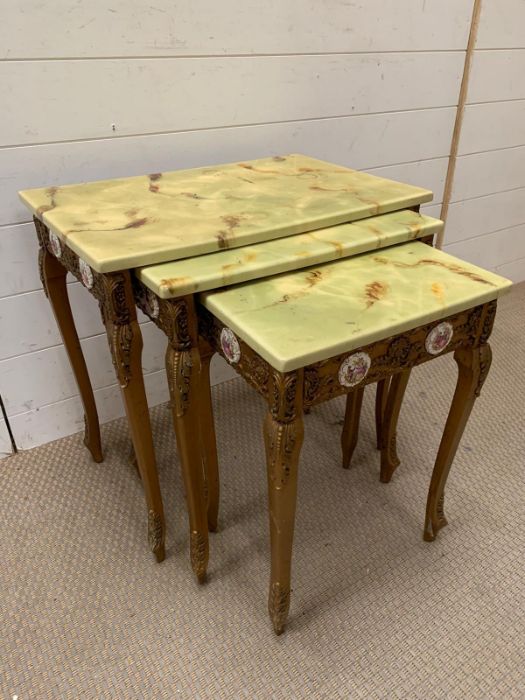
183, 367
350, 434
389, 459
381, 398
209, 442
283, 437
125, 341
53, 275
473, 367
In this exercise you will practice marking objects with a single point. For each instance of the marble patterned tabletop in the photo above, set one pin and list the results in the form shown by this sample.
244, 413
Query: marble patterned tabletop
227, 267
312, 314
136, 221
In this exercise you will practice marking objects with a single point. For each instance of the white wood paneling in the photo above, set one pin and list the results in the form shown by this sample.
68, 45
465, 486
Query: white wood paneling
502, 24
202, 27
474, 217
487, 216
485, 173
32, 325
492, 249
431, 210
360, 142
514, 270
496, 76
89, 99
492, 125
19, 256
54, 420
426, 173
42, 377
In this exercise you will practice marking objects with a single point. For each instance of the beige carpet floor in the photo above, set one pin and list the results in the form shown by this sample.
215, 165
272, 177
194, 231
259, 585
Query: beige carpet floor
376, 612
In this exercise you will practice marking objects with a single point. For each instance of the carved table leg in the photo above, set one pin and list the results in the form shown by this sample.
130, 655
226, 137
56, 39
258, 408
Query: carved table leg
183, 367
389, 459
209, 443
350, 434
125, 341
53, 275
283, 437
473, 367
381, 398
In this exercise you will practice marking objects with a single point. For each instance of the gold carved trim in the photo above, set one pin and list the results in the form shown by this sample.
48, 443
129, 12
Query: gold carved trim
278, 605
155, 531
198, 554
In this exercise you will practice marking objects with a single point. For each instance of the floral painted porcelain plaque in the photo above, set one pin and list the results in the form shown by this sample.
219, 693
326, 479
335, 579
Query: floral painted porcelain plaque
438, 338
86, 273
354, 369
230, 346
56, 246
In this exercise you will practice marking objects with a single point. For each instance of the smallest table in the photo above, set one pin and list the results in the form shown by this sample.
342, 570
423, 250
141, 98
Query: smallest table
308, 336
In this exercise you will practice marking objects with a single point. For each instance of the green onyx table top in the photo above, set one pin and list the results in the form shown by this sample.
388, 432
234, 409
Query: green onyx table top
136, 221
306, 316
228, 267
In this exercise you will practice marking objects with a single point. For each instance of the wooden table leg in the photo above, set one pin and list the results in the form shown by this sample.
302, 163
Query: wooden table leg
350, 433
209, 442
53, 275
381, 398
473, 367
389, 459
125, 341
283, 438
183, 367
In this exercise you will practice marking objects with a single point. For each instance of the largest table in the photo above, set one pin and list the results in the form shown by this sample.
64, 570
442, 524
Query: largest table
101, 231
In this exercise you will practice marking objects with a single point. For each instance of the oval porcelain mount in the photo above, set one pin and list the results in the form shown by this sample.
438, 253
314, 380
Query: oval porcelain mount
354, 369
86, 273
56, 246
438, 338
230, 346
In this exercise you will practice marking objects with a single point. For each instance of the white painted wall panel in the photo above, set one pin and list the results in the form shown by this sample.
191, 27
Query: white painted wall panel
514, 271
492, 249
38, 378
502, 24
18, 256
487, 214
360, 142
83, 99
497, 75
492, 125
431, 210
54, 420
32, 325
485, 173
474, 217
426, 173
203, 27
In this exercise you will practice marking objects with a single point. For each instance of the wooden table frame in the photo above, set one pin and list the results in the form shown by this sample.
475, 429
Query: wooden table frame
114, 294
289, 393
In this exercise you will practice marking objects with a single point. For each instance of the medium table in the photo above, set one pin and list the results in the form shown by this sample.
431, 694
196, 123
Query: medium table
101, 231
165, 294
